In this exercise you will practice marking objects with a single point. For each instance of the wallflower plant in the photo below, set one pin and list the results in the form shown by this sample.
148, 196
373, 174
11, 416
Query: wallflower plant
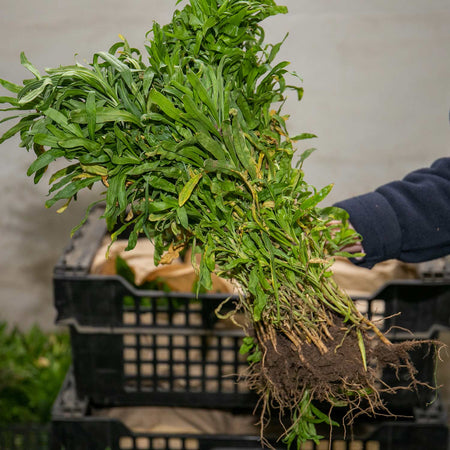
190, 142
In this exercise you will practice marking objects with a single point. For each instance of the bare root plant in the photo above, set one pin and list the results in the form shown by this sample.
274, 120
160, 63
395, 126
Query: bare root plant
192, 148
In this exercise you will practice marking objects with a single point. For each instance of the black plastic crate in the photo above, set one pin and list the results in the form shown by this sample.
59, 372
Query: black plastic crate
173, 367
25, 437
75, 428
134, 347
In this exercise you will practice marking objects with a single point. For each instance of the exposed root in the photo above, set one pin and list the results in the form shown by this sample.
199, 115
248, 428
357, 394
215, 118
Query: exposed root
294, 367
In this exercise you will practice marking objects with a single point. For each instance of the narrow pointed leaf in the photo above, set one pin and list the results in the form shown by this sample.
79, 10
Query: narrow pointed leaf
12, 87
63, 122
91, 112
72, 189
104, 115
188, 188
44, 160
165, 105
24, 61
317, 198
35, 93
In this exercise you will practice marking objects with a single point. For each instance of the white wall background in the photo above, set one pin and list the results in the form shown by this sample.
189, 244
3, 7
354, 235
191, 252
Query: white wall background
377, 93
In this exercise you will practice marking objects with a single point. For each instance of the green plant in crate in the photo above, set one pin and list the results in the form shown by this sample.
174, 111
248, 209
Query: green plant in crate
192, 147
33, 365
127, 273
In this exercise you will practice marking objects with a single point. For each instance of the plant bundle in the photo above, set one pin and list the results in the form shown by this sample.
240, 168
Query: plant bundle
192, 147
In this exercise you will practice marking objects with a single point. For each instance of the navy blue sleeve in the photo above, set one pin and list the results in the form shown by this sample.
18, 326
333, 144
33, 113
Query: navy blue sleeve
407, 220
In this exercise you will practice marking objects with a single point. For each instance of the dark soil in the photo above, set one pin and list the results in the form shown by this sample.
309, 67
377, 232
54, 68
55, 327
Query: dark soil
288, 367
336, 375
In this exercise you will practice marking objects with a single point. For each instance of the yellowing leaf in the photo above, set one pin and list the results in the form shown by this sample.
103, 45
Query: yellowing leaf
171, 254
188, 188
64, 207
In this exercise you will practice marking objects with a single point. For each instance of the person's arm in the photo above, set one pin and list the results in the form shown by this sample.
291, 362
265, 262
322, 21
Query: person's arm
407, 220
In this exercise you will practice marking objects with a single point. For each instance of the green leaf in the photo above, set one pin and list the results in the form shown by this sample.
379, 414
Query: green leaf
116, 195
24, 61
71, 190
149, 76
15, 88
186, 192
255, 357
45, 159
303, 156
322, 416
228, 140
248, 343
246, 111
93, 80
303, 136
204, 275
26, 95
46, 139
259, 303
71, 143
104, 115
91, 112
134, 235
235, 263
125, 160
118, 65
166, 106
63, 122
8, 118
11, 100
211, 165
23, 124
211, 146
242, 151
209, 254
124, 138
183, 217
144, 168
87, 158
161, 183
316, 198
62, 172
195, 116
203, 94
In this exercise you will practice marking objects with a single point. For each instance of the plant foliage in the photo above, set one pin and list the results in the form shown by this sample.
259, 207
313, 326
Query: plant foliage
191, 144
33, 365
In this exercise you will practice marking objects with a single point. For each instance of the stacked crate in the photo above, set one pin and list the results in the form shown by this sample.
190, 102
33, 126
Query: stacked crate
134, 348
25, 437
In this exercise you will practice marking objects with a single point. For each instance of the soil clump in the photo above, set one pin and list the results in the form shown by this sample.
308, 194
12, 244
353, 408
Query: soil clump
337, 377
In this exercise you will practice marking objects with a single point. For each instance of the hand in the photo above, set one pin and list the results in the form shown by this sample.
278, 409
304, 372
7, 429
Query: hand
354, 247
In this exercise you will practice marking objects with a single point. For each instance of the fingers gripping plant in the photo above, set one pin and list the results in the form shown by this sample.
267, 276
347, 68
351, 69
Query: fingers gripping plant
193, 152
